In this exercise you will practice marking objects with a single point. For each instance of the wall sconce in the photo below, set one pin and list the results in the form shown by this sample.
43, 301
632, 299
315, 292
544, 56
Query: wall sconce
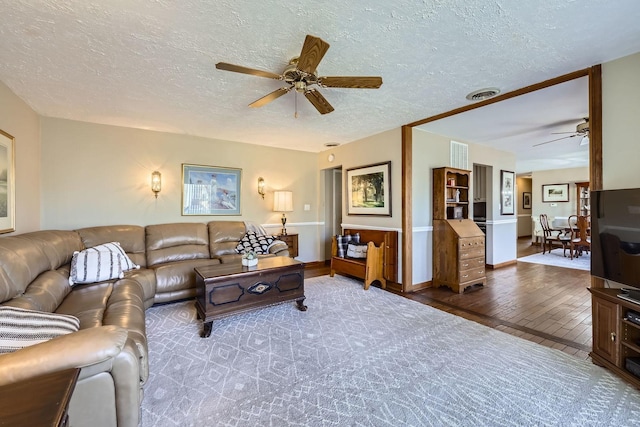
261, 187
156, 182
283, 202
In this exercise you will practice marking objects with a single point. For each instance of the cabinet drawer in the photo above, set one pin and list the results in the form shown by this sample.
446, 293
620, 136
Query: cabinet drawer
472, 253
467, 264
471, 242
474, 273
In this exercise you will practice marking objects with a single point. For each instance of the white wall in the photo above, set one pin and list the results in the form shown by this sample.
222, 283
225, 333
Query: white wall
524, 215
382, 147
99, 175
620, 113
21, 122
432, 151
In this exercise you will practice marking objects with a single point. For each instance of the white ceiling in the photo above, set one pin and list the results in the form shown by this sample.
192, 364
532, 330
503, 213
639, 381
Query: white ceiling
519, 123
151, 64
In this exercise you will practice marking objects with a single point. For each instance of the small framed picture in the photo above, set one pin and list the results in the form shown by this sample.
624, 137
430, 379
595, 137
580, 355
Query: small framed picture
526, 200
555, 193
507, 184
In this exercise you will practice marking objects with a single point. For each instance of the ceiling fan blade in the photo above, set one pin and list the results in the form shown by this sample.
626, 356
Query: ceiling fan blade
554, 140
239, 69
312, 52
351, 82
318, 101
270, 97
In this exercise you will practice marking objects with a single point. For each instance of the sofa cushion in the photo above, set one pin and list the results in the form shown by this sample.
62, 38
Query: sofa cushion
21, 328
130, 237
343, 242
176, 242
99, 263
254, 242
224, 237
26, 256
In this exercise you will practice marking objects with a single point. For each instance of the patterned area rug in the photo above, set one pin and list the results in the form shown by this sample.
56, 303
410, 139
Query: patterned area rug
556, 258
366, 358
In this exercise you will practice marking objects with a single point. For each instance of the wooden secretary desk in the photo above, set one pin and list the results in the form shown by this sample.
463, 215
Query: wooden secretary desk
458, 242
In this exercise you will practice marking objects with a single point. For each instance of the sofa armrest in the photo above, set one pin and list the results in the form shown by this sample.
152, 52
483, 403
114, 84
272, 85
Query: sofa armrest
76, 350
279, 248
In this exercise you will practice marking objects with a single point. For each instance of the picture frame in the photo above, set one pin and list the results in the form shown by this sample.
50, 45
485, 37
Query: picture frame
555, 193
211, 190
526, 200
369, 190
7, 183
507, 189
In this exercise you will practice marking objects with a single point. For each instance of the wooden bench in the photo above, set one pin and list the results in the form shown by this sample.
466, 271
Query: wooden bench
380, 264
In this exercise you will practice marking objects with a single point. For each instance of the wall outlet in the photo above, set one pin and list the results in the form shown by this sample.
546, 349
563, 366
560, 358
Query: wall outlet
307, 207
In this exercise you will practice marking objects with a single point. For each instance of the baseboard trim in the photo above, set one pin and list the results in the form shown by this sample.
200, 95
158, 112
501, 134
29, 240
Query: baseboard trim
316, 264
503, 264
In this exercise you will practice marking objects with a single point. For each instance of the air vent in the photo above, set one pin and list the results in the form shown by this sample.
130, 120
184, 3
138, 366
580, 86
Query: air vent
331, 144
459, 155
482, 94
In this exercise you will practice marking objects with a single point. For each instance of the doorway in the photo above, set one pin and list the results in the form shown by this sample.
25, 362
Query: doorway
332, 207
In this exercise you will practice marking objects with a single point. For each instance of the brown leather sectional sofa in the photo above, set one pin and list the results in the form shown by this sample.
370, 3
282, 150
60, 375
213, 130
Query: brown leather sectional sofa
111, 345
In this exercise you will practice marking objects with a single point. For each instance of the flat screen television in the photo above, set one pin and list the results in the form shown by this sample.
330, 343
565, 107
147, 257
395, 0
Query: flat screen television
615, 237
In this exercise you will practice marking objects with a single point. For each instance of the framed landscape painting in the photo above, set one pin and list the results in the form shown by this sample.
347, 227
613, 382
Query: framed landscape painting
369, 190
7, 183
507, 188
555, 193
210, 190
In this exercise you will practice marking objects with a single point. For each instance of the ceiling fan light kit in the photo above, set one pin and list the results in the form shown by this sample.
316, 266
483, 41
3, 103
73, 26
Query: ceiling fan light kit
301, 73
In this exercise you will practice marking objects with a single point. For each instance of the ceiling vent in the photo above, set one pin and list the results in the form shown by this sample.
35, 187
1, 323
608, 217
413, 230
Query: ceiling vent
331, 144
482, 94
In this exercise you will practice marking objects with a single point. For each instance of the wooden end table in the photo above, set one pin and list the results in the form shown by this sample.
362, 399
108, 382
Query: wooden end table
38, 401
226, 289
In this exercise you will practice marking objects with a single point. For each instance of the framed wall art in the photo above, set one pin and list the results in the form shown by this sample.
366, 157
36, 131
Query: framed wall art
526, 200
210, 190
369, 190
7, 183
507, 188
555, 193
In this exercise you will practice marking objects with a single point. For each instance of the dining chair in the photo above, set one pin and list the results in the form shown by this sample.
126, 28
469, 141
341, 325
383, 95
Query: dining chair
581, 239
551, 235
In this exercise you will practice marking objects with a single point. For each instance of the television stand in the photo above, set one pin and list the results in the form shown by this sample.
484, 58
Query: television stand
633, 299
615, 339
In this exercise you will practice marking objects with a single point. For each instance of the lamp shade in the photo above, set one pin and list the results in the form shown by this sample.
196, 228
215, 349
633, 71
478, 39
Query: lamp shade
282, 201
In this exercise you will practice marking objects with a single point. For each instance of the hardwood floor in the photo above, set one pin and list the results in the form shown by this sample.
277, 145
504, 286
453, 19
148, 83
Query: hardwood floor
544, 304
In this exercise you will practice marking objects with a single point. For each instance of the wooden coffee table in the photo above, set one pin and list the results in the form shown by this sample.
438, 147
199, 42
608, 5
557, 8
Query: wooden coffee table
226, 289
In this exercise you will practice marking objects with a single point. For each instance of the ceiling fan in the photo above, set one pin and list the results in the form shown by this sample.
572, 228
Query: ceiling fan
301, 75
582, 129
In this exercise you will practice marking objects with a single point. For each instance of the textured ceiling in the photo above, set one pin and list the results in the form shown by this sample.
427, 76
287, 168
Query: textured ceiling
151, 64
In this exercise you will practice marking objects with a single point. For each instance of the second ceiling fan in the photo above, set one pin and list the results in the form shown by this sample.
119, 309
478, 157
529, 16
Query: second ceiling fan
582, 129
302, 76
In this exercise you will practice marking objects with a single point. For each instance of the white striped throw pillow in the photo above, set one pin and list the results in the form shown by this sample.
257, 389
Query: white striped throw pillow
99, 263
21, 328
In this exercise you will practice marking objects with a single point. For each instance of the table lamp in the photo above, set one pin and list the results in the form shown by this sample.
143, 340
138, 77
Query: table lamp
283, 202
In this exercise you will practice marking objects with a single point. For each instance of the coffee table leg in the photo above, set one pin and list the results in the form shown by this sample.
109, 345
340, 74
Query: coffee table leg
301, 305
206, 329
